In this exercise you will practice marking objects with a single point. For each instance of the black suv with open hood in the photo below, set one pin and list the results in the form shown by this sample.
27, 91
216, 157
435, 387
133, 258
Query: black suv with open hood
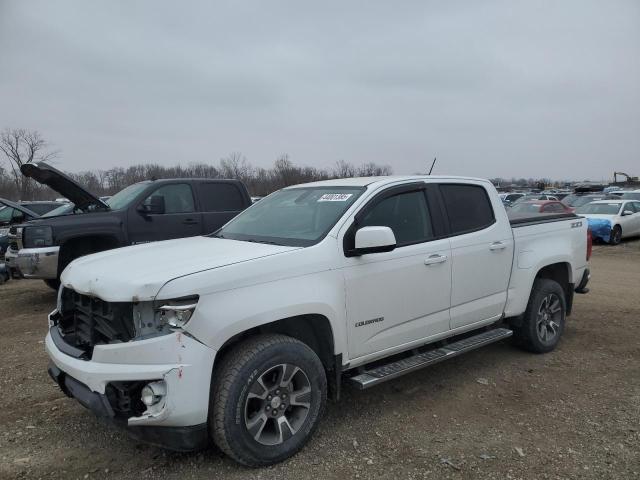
143, 212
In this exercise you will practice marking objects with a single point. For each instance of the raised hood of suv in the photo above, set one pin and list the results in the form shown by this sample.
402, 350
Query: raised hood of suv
56, 180
138, 273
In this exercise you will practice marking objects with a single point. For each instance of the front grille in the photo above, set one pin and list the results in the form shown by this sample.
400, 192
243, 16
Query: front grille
88, 321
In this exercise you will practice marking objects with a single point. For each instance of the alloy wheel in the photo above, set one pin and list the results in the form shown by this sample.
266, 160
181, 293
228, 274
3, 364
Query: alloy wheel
549, 318
278, 404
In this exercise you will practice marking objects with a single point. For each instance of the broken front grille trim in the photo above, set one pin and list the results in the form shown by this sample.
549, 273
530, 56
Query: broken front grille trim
87, 321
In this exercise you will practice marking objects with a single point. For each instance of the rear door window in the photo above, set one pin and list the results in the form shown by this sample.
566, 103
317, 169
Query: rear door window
468, 207
220, 197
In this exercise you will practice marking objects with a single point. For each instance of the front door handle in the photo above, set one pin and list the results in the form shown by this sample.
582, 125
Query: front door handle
436, 258
190, 221
497, 246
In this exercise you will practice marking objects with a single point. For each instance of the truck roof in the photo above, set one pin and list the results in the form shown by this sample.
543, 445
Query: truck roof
365, 181
187, 179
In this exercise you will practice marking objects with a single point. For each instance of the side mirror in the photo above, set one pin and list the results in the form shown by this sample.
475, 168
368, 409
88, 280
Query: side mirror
155, 206
627, 212
374, 240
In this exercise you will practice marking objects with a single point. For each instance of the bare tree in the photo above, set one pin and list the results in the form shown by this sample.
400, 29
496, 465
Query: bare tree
344, 170
21, 146
235, 165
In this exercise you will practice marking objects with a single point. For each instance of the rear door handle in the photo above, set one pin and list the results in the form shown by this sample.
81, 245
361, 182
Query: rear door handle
436, 258
190, 221
497, 246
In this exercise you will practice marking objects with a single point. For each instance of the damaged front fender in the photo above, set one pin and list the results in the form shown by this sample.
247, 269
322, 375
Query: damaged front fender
600, 229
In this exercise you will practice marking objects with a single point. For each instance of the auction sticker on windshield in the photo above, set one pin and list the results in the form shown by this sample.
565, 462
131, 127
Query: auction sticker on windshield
335, 197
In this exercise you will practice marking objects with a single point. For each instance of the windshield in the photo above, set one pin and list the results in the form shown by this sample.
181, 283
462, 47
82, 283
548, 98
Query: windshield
5, 214
525, 207
41, 208
65, 209
124, 197
631, 196
526, 198
296, 217
580, 200
600, 208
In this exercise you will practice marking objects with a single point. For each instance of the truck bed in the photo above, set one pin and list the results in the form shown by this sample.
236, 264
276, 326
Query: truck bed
538, 218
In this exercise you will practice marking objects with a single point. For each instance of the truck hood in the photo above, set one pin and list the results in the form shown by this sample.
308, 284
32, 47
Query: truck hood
138, 273
56, 180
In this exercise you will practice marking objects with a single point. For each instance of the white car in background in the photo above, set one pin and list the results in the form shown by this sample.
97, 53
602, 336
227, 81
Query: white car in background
612, 220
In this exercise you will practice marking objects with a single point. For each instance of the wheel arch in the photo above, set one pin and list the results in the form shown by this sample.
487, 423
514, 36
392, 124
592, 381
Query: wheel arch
562, 273
314, 330
87, 243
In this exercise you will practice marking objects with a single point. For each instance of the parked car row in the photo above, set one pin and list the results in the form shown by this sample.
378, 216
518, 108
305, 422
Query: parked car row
612, 216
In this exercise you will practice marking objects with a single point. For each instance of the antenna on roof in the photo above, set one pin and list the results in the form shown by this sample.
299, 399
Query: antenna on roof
432, 165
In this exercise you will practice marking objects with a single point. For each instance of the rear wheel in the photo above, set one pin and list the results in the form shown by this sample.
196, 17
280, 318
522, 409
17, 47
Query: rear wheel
268, 396
544, 319
616, 235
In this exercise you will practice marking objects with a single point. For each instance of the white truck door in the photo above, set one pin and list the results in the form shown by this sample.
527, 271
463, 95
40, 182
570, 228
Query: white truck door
482, 252
398, 297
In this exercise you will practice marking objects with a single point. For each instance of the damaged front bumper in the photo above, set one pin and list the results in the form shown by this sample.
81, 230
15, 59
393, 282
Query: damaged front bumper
109, 385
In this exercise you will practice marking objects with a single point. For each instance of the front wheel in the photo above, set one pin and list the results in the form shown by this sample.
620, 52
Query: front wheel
544, 319
616, 235
268, 396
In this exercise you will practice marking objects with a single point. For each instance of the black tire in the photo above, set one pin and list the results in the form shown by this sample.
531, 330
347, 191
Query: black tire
235, 406
53, 283
541, 330
616, 235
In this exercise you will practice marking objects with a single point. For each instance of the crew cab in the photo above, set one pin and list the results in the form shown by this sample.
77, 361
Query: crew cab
238, 337
144, 212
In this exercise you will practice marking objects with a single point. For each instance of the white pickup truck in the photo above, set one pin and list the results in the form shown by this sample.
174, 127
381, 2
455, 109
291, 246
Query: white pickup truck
238, 337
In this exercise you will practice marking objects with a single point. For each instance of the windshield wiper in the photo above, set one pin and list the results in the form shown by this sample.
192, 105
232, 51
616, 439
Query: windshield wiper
268, 242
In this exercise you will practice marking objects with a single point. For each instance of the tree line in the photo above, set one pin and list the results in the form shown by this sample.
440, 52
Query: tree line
21, 146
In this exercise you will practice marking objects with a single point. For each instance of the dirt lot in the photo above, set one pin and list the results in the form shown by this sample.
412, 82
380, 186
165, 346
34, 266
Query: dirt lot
494, 413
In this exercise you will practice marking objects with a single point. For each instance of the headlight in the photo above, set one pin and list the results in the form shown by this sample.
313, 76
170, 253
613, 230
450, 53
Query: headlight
178, 313
34, 237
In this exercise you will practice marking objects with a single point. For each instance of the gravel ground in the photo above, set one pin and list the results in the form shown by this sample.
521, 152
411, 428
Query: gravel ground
494, 413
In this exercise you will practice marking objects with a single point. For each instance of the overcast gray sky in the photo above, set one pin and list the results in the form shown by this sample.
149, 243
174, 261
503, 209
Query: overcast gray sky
493, 88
